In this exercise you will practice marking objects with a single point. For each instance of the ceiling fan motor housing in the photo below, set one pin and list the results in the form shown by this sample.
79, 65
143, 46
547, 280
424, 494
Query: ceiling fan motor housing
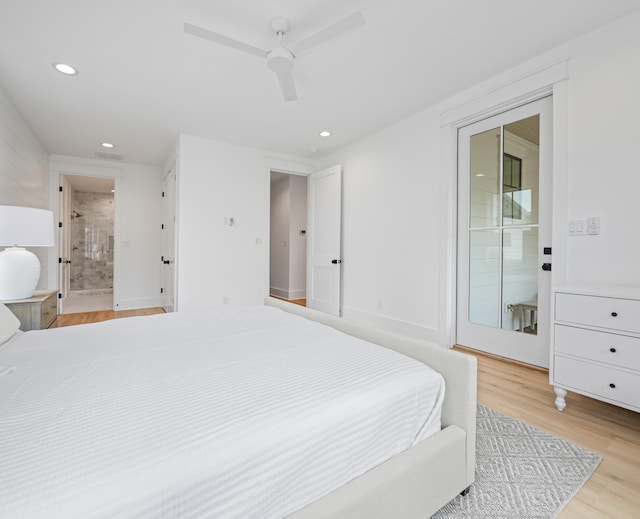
280, 60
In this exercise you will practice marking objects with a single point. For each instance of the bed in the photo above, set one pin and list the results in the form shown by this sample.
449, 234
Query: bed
232, 414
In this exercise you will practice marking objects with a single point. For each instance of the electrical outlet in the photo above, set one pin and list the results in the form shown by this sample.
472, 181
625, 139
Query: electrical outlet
593, 225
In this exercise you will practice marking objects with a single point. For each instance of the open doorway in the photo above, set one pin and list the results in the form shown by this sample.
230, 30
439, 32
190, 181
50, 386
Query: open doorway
86, 243
288, 237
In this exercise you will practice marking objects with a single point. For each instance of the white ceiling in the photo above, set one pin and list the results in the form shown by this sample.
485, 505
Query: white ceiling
143, 81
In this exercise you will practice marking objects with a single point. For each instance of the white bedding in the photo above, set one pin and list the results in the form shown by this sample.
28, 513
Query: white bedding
248, 412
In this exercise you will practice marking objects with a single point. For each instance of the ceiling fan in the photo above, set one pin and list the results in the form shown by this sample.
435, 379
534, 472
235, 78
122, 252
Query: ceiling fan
280, 59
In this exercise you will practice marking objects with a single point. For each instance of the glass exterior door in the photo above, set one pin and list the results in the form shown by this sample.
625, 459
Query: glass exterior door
502, 176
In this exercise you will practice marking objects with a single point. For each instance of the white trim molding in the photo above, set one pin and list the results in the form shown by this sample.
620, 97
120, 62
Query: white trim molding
504, 92
521, 85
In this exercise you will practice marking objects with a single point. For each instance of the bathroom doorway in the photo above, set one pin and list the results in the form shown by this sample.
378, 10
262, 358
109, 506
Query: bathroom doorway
86, 243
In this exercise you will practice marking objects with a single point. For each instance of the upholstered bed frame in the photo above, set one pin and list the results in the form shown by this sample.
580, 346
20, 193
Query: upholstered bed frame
419, 481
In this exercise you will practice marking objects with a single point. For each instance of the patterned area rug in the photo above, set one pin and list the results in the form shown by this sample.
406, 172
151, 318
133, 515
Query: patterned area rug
521, 472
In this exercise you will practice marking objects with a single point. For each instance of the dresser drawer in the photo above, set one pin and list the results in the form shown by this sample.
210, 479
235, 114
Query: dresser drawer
604, 312
596, 380
610, 348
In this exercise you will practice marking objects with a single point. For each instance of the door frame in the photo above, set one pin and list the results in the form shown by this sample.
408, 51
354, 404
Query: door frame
269, 240
498, 340
168, 242
289, 167
64, 229
524, 84
64, 241
59, 166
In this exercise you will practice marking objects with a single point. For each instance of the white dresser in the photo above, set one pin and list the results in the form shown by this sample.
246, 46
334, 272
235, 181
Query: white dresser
596, 345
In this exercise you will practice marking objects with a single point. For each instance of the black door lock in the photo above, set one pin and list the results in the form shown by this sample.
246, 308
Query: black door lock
546, 266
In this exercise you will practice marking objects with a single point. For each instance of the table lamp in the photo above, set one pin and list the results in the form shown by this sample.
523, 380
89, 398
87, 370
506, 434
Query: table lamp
19, 268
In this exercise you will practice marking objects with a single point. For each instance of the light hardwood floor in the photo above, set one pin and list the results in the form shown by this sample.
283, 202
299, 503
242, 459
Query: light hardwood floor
103, 315
524, 393
301, 302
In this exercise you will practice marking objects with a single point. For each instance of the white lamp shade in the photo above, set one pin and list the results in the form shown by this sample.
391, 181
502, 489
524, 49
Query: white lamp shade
19, 268
26, 226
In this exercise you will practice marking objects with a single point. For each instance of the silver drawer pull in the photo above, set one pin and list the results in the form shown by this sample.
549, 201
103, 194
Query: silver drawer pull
612, 385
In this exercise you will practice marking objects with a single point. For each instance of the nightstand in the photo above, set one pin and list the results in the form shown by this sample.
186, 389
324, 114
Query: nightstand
37, 312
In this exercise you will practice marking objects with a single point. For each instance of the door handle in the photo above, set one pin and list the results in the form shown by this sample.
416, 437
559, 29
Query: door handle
336, 261
546, 266
166, 262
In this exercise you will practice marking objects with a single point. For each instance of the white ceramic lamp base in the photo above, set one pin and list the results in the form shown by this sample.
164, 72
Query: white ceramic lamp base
19, 273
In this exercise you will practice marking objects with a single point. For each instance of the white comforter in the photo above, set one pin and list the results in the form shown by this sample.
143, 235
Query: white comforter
248, 412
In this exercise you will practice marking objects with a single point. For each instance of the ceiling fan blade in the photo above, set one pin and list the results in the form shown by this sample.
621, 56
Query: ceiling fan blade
224, 40
287, 85
348, 23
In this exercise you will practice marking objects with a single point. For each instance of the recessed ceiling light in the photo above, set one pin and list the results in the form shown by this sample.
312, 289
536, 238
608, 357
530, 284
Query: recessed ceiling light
106, 145
479, 174
313, 150
325, 134
65, 69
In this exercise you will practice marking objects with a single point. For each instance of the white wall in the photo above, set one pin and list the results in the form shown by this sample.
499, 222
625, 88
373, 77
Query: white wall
399, 192
604, 177
138, 206
24, 171
399, 196
392, 226
217, 263
297, 241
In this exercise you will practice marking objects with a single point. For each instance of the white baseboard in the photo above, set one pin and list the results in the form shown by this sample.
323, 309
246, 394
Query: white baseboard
287, 294
143, 302
298, 294
279, 292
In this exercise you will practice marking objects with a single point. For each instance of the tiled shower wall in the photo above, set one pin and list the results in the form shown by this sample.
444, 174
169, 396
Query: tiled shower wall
91, 241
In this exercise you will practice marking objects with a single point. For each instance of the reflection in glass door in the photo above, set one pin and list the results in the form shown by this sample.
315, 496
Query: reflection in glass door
502, 175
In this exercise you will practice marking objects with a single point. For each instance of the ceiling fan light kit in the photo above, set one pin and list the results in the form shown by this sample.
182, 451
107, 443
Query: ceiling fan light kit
280, 59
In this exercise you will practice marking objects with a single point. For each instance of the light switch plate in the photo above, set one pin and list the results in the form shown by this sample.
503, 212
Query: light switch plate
577, 227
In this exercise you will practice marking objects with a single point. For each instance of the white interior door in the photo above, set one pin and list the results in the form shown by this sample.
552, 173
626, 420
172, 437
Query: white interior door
504, 233
168, 240
64, 241
324, 240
